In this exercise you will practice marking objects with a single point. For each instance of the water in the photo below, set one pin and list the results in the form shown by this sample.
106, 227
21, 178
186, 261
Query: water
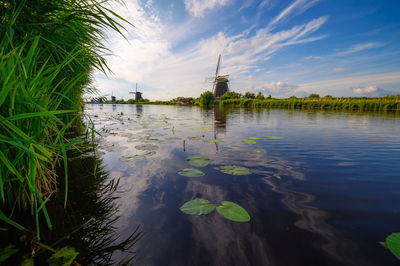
325, 194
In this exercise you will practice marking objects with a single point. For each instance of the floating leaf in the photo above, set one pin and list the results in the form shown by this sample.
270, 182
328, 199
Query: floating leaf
261, 151
198, 161
249, 141
7, 252
274, 137
197, 206
254, 138
235, 170
206, 128
233, 211
146, 147
194, 138
393, 244
212, 140
190, 172
64, 256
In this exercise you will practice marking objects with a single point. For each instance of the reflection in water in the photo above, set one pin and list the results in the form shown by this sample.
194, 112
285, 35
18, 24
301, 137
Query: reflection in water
300, 195
139, 109
88, 222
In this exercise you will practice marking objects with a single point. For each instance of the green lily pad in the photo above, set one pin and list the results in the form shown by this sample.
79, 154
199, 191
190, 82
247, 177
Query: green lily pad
235, 170
194, 138
206, 128
190, 172
233, 211
393, 244
197, 206
249, 141
254, 138
261, 151
274, 137
198, 161
146, 147
212, 140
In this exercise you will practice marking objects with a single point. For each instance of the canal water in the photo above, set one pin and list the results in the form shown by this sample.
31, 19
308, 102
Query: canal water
325, 193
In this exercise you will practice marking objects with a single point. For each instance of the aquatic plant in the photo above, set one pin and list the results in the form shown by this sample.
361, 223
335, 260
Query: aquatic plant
191, 172
212, 140
227, 209
392, 242
198, 161
274, 137
249, 141
235, 170
48, 51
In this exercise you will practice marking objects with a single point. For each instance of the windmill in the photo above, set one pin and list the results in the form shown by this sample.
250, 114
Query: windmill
221, 83
138, 94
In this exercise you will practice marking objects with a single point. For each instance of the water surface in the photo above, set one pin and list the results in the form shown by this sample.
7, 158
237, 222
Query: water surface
325, 194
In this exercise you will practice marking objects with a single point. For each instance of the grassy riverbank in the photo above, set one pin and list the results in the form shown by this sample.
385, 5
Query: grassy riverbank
367, 104
48, 52
376, 104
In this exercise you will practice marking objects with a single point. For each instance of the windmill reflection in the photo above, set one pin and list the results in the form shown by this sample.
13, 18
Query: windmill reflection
219, 122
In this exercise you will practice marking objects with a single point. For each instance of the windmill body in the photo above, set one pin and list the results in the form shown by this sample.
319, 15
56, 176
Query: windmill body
138, 94
221, 82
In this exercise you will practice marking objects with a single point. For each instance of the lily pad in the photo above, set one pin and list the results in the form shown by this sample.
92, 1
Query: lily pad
233, 211
254, 138
194, 138
206, 128
212, 140
249, 141
197, 206
198, 161
146, 147
190, 172
393, 244
261, 151
274, 137
235, 170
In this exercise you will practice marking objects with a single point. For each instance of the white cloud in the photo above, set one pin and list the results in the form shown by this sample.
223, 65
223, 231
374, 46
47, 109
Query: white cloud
297, 7
149, 57
197, 8
360, 47
372, 91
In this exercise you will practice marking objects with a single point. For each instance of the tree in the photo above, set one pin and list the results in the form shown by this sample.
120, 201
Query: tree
206, 98
260, 96
249, 95
269, 96
231, 95
313, 95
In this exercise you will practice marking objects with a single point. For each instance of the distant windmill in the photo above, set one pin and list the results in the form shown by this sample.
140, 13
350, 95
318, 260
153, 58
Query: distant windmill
221, 83
138, 95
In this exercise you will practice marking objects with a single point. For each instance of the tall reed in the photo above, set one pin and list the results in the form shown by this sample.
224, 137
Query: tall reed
48, 52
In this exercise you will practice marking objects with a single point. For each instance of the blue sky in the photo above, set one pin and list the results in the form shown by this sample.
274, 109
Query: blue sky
282, 48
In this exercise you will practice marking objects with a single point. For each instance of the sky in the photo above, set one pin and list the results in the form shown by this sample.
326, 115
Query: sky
282, 48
